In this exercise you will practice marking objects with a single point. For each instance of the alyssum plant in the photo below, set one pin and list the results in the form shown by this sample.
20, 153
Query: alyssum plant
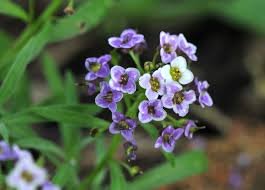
156, 92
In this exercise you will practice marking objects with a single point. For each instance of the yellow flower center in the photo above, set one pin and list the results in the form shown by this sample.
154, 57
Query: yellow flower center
178, 98
123, 125
95, 67
175, 73
27, 176
167, 48
155, 85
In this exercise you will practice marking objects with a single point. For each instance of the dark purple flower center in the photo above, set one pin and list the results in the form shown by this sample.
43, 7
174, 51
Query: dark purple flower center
175, 73
167, 48
95, 66
123, 125
151, 110
166, 138
124, 79
126, 39
108, 97
178, 98
155, 85
27, 176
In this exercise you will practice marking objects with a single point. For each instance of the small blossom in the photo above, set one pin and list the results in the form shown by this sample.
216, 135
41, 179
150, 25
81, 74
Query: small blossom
97, 67
204, 97
235, 179
177, 99
26, 176
50, 186
151, 110
154, 84
6, 152
127, 40
188, 48
130, 150
177, 71
124, 79
108, 98
123, 125
168, 45
91, 88
168, 138
189, 129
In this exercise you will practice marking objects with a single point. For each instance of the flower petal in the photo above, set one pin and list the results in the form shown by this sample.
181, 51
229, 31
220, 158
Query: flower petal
116, 73
144, 81
189, 96
158, 142
181, 109
113, 129
186, 78
167, 101
150, 94
180, 63
133, 73
165, 72
115, 42
144, 118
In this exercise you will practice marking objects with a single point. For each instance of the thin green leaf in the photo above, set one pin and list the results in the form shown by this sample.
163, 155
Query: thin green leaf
71, 114
4, 132
52, 75
66, 175
87, 16
117, 178
6, 41
187, 165
70, 135
40, 145
23, 58
11, 9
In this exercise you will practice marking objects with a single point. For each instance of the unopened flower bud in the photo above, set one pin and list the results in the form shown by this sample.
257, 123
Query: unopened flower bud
149, 66
136, 170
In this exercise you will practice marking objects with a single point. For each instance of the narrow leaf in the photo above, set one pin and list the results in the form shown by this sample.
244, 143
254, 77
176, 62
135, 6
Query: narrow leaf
18, 68
187, 165
14, 10
117, 178
4, 132
40, 145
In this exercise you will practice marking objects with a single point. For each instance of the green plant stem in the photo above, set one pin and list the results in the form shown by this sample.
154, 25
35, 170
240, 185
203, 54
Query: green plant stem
112, 149
176, 122
135, 58
155, 56
31, 10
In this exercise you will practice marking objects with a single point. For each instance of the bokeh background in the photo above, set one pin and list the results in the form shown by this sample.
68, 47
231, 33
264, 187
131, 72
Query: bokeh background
230, 36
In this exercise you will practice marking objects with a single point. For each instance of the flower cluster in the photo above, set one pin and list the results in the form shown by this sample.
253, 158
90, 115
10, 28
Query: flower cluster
166, 84
26, 174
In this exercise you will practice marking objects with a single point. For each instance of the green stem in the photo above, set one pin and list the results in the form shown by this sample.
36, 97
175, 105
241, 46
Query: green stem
31, 10
155, 56
176, 122
112, 149
135, 58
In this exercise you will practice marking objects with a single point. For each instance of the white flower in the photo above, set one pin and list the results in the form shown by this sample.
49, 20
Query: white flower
177, 71
26, 175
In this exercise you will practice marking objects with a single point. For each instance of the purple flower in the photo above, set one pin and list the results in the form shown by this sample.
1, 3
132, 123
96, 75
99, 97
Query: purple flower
204, 97
177, 99
190, 128
154, 85
22, 154
124, 79
26, 175
50, 186
168, 138
168, 45
235, 179
91, 88
130, 150
108, 98
6, 152
128, 39
123, 125
151, 110
188, 48
97, 67
177, 71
